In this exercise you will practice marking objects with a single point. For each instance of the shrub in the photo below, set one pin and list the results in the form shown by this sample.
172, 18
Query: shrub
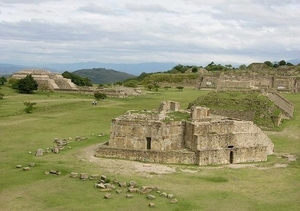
29, 106
99, 95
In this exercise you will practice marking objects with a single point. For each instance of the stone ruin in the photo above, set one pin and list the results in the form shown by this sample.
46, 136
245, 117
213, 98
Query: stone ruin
201, 139
47, 80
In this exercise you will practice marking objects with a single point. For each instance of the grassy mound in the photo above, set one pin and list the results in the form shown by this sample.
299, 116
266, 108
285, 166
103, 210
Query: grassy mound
250, 106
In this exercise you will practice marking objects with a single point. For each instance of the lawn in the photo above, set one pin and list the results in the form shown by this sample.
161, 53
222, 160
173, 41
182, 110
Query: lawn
64, 115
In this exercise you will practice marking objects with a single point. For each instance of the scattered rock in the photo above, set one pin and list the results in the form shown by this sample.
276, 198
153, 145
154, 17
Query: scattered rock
129, 196
164, 194
55, 149
47, 172
19, 166
74, 174
119, 191
174, 201
151, 204
26, 168
290, 158
106, 190
32, 164
123, 184
107, 196
55, 172
84, 176
151, 197
100, 185
132, 190
145, 189
94, 176
110, 186
132, 184
170, 196
39, 152
103, 177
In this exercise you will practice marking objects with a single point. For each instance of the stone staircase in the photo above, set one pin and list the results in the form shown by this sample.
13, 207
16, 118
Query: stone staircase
286, 106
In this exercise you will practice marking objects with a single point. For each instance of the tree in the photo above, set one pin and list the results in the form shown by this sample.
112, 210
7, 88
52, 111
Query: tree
268, 63
242, 67
99, 95
2, 80
27, 85
229, 66
282, 63
195, 69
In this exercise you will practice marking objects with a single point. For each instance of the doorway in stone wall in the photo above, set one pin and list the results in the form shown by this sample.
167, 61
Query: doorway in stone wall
231, 157
148, 142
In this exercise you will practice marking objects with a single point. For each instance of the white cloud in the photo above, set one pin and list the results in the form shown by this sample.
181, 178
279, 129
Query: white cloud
120, 31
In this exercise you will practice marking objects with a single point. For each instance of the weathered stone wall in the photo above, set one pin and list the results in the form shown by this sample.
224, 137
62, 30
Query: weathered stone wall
174, 157
216, 135
167, 106
215, 141
242, 82
189, 141
209, 82
198, 113
133, 134
242, 115
239, 155
234, 84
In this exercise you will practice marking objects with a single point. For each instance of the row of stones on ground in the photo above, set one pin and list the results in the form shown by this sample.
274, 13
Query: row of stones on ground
59, 146
106, 185
32, 164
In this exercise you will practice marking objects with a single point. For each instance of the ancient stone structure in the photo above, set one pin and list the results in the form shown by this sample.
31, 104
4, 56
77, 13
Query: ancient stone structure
47, 80
226, 82
201, 138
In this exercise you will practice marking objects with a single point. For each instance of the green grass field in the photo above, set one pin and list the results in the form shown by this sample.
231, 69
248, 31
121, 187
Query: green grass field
63, 115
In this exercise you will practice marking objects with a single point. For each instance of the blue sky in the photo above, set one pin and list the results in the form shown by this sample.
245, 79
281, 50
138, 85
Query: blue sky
125, 31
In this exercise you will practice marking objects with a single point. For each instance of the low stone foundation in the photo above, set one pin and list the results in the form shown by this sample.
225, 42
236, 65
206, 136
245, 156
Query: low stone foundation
174, 157
201, 157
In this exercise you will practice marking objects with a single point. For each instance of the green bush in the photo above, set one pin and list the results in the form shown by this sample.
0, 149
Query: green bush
99, 95
29, 106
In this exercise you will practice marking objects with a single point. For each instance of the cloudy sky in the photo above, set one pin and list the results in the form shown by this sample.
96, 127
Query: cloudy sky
135, 31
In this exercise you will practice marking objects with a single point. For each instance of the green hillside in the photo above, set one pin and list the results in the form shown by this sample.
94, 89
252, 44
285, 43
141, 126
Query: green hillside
103, 76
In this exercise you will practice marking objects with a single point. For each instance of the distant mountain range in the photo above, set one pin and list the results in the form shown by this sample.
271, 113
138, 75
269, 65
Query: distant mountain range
134, 69
103, 76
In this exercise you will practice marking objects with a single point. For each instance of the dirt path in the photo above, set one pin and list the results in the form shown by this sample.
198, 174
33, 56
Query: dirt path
126, 167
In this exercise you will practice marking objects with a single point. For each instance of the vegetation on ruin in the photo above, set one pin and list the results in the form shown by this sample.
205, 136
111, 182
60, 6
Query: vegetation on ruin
63, 115
76, 79
264, 111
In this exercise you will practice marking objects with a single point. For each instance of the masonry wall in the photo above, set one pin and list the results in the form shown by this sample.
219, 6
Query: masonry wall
133, 134
174, 157
239, 155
